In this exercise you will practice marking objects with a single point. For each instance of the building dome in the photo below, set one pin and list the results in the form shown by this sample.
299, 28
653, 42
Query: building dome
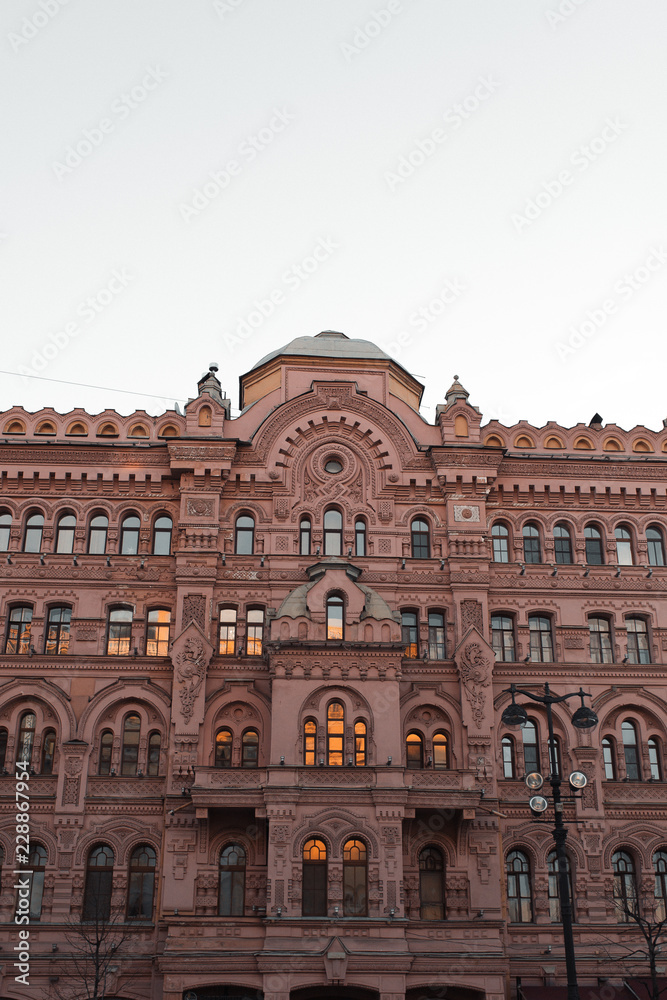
328, 344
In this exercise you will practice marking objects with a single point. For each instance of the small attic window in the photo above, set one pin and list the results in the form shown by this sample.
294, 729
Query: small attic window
168, 431
205, 416
77, 429
461, 426
583, 444
612, 444
138, 431
641, 445
14, 427
523, 441
46, 427
553, 442
107, 430
494, 441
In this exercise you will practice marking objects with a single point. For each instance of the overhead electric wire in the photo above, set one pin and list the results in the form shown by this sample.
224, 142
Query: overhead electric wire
104, 388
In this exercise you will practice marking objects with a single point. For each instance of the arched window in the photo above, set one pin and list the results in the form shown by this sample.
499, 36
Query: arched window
18, 629
254, 631
305, 536
419, 536
600, 638
414, 751
130, 749
609, 758
232, 881
56, 639
129, 535
660, 869
360, 537
106, 749
335, 733
593, 539
141, 883
431, 884
227, 632
639, 650
440, 751
309, 742
630, 751
119, 634
531, 750
625, 886
335, 619
26, 739
623, 546
410, 634
162, 536
509, 757
4, 736
65, 533
654, 758
360, 748
555, 758
436, 635
333, 532
99, 884
48, 751
223, 748
314, 879
153, 760
2, 861
502, 638
554, 887
157, 632
656, 546
355, 895
541, 641
500, 540
244, 544
250, 748
5, 530
97, 535
35, 877
519, 896
34, 526
531, 544
562, 545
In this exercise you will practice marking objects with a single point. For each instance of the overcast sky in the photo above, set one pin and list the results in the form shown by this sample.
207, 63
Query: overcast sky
478, 186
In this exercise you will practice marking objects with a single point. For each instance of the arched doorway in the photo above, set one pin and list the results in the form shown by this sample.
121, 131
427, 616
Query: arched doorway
223, 993
334, 993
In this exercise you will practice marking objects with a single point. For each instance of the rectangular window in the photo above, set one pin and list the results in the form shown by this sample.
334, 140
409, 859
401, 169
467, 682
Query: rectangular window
227, 633
254, 632
436, 635
502, 638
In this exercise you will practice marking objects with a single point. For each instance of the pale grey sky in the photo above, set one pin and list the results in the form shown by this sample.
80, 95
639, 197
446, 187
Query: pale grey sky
476, 185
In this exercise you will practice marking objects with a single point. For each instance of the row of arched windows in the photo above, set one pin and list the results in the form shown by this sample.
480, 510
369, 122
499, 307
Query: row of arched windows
99, 882
593, 539
627, 754
520, 882
129, 747
332, 535
541, 640
18, 637
97, 533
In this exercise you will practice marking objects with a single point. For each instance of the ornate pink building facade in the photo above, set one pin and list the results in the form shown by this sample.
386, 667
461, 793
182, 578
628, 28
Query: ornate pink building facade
258, 666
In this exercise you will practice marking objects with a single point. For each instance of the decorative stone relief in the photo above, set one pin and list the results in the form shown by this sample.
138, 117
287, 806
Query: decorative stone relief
191, 654
475, 669
471, 616
466, 513
194, 610
200, 508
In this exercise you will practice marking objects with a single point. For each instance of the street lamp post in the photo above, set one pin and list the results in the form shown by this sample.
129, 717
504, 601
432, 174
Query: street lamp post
583, 718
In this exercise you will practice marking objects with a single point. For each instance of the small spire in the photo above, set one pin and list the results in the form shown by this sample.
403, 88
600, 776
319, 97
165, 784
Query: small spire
210, 384
456, 391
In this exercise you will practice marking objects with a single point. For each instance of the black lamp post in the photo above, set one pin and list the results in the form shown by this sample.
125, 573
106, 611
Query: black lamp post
583, 718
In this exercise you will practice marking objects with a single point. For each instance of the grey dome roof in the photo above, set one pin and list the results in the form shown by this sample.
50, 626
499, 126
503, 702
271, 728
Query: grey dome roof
328, 344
